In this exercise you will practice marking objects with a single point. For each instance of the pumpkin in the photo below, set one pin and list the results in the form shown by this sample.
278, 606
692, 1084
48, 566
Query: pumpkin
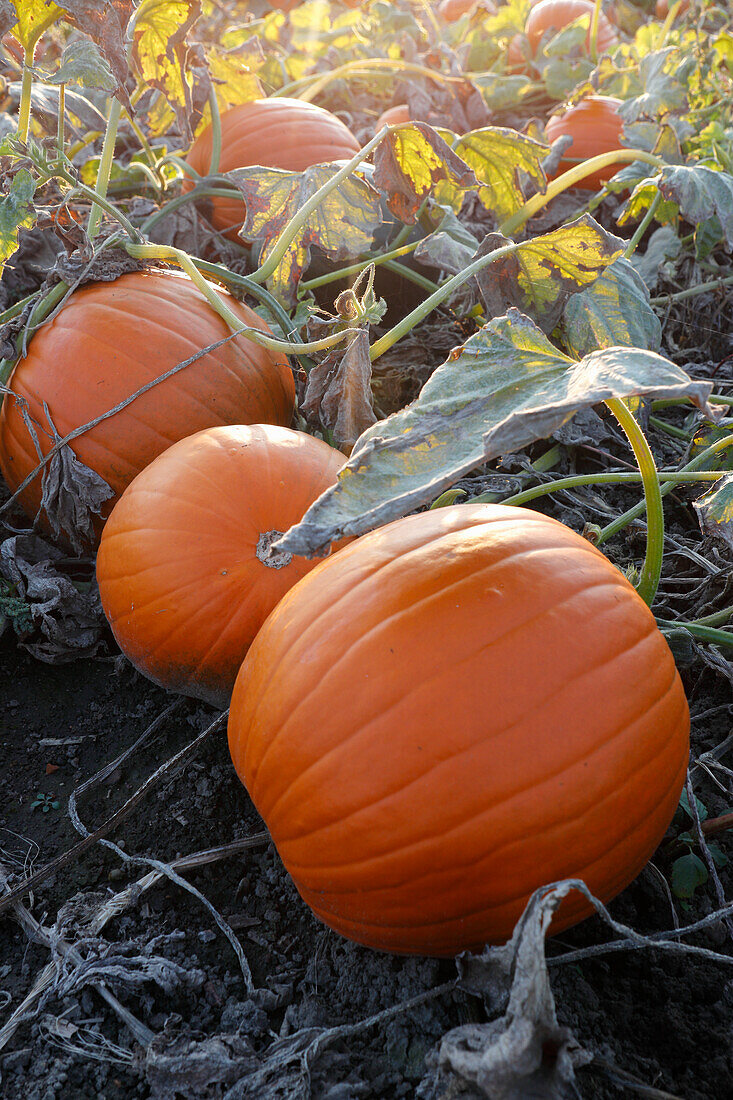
393, 116
516, 61
452, 711
108, 341
275, 133
450, 11
595, 127
662, 8
553, 15
185, 571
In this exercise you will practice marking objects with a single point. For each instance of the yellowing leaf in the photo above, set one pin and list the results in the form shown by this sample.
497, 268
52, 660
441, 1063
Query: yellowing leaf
160, 48
410, 161
615, 311
715, 509
33, 18
499, 157
16, 210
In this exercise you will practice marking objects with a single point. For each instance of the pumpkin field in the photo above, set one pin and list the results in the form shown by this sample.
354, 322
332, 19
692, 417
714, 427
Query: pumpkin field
366, 549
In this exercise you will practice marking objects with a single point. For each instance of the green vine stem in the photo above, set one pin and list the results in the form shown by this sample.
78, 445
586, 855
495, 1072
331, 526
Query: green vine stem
215, 133
642, 227
595, 20
704, 633
177, 256
39, 313
16, 308
697, 463
60, 121
579, 480
26, 86
652, 568
445, 290
355, 269
569, 179
105, 166
693, 291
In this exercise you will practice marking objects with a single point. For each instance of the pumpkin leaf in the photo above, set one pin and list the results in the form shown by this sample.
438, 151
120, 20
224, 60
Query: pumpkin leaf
506, 387
338, 395
31, 18
663, 245
615, 311
715, 509
105, 21
546, 271
16, 210
663, 77
688, 872
501, 158
161, 51
410, 161
697, 192
82, 63
342, 226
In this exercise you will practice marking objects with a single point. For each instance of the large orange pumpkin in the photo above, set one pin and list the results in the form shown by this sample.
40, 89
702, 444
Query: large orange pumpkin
553, 15
450, 11
108, 341
595, 127
451, 712
184, 569
276, 133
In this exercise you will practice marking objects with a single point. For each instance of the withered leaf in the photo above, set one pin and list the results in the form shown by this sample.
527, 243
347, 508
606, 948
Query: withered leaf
342, 225
715, 509
105, 21
338, 394
546, 271
162, 53
410, 161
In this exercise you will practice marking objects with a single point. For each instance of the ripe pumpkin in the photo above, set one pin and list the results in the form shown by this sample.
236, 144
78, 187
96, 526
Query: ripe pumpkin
450, 11
276, 133
392, 116
452, 711
108, 341
183, 567
595, 127
553, 15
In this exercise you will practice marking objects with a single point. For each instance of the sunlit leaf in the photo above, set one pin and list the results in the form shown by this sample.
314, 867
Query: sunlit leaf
715, 509
32, 18
500, 158
662, 76
234, 73
708, 434
614, 312
160, 48
546, 270
504, 388
82, 63
409, 162
697, 192
16, 210
342, 225
563, 74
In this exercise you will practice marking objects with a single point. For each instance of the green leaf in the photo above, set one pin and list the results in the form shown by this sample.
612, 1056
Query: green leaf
688, 872
16, 210
547, 270
33, 18
342, 226
696, 192
715, 509
663, 245
563, 74
702, 812
500, 92
409, 163
614, 311
161, 51
662, 76
504, 388
501, 158
82, 63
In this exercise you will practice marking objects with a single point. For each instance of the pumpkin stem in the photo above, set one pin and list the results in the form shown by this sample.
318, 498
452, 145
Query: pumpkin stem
273, 559
652, 568
105, 166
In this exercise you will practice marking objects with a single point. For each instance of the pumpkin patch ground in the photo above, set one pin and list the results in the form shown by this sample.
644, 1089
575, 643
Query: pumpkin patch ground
375, 361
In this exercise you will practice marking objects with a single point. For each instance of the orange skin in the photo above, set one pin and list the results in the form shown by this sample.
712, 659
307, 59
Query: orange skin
276, 133
596, 127
393, 116
450, 11
556, 14
179, 574
452, 711
108, 341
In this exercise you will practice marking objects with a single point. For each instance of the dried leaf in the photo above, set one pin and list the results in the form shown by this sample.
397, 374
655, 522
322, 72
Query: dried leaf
546, 271
16, 210
504, 388
161, 51
715, 509
408, 164
105, 21
502, 160
342, 225
338, 395
8, 17
526, 1054
614, 312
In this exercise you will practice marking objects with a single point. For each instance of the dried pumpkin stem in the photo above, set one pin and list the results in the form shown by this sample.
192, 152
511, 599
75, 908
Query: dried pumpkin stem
572, 177
105, 166
652, 568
